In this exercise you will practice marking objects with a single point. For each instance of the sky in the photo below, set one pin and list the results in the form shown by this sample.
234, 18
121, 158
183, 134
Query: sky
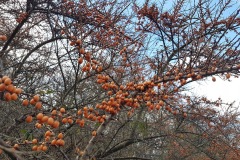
228, 91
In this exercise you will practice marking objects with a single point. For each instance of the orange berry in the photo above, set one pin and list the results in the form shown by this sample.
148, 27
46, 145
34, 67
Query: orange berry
47, 138
60, 136
177, 78
38, 125
100, 68
228, 75
78, 42
198, 76
85, 109
48, 133
4, 78
25, 102
94, 133
3, 37
10, 88
14, 96
54, 142
80, 60
32, 102
81, 123
18, 91
54, 112
94, 67
184, 115
44, 148
7, 96
25, 141
34, 148
189, 75
180, 74
213, 79
50, 121
101, 120
2, 87
29, 119
183, 81
55, 124
72, 43
94, 118
158, 106
38, 105
81, 51
64, 120
175, 89
60, 142
44, 119
16, 146
34, 141
39, 116
165, 96
104, 116
36, 98
90, 116
7, 81
79, 112
70, 121
39, 148
62, 110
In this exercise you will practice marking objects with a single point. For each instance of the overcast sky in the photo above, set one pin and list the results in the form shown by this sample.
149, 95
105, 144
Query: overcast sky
227, 91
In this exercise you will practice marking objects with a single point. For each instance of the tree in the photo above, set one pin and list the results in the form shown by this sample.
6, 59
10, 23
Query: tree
109, 79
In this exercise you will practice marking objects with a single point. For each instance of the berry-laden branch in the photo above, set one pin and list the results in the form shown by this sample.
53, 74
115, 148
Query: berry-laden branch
13, 154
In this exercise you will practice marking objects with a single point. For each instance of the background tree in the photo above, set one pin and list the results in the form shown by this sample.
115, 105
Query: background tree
109, 79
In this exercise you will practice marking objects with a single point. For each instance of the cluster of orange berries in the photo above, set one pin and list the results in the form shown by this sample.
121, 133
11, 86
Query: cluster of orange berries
90, 64
56, 141
90, 114
87, 112
49, 135
102, 79
85, 58
34, 101
9, 90
41, 147
48, 120
146, 92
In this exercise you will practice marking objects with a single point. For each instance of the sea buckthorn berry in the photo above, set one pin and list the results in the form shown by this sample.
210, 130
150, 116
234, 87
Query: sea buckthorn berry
62, 110
29, 119
36, 98
60, 135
